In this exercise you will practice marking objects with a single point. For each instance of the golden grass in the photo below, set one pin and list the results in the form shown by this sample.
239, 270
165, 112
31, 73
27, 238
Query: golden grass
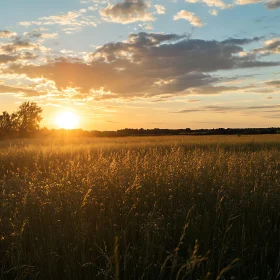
186, 207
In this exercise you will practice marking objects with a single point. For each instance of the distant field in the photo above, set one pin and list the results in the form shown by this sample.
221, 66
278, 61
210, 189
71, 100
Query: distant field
178, 207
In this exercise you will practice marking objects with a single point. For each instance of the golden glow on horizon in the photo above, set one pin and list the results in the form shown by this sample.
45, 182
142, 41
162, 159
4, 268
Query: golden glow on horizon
67, 120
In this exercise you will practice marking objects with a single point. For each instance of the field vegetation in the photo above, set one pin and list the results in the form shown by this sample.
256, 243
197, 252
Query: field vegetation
140, 208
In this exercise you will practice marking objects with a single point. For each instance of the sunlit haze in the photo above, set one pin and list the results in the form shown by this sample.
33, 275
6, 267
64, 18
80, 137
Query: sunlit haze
67, 120
146, 63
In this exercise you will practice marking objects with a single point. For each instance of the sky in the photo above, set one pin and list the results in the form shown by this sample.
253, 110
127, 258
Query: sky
143, 64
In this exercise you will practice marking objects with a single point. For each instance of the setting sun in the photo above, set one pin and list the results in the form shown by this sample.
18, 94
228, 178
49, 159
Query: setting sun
67, 120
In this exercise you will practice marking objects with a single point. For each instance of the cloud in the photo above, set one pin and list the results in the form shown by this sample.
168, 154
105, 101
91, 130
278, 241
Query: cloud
243, 41
190, 17
73, 21
212, 3
160, 9
4, 58
21, 50
274, 83
190, 80
128, 11
18, 44
213, 12
209, 89
150, 39
271, 46
215, 3
225, 109
194, 100
38, 34
246, 2
16, 90
7, 34
146, 65
272, 4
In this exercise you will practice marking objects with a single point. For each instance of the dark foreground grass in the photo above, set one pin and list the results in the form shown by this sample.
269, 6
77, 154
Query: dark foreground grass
155, 208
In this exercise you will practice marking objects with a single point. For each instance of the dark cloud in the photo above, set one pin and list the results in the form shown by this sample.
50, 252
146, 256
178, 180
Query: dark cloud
273, 83
17, 44
272, 4
153, 39
16, 90
38, 34
4, 58
255, 63
190, 80
243, 41
148, 64
127, 11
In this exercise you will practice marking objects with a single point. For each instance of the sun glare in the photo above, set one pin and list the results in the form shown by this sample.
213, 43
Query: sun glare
67, 120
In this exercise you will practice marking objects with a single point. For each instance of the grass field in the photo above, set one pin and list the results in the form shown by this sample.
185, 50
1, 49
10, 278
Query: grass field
185, 207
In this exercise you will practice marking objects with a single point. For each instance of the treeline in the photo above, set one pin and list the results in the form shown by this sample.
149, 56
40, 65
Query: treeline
236, 131
188, 131
157, 132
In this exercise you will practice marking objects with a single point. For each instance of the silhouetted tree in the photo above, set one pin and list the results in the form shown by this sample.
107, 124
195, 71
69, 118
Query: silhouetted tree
28, 118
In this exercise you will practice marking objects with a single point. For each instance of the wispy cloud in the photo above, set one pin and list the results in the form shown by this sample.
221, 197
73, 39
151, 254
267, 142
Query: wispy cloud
212, 3
225, 109
246, 2
190, 17
39, 34
160, 9
72, 21
7, 34
213, 12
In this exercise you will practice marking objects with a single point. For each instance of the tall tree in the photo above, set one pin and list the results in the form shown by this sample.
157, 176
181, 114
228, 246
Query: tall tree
28, 117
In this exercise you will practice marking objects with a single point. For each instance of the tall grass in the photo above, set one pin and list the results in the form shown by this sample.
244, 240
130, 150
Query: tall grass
140, 208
